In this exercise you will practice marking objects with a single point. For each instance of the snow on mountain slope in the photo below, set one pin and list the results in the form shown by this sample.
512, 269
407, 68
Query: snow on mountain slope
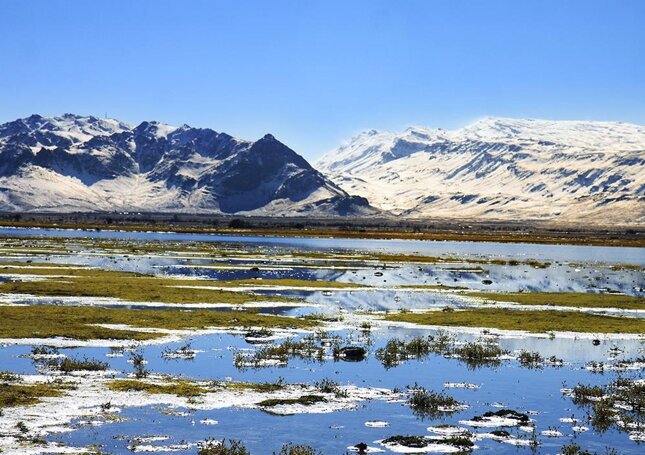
500, 168
74, 163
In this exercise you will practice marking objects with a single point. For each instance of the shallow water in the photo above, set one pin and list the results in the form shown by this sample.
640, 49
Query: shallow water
573, 253
508, 384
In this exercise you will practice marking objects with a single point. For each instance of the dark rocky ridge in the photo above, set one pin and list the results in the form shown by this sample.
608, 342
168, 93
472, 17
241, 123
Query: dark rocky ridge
156, 167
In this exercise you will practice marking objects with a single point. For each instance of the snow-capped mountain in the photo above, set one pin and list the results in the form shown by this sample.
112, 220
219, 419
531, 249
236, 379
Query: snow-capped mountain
75, 163
500, 168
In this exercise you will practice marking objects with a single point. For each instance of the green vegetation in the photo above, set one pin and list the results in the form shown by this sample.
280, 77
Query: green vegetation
12, 394
461, 442
570, 299
575, 449
8, 376
222, 447
483, 353
305, 400
44, 321
531, 321
131, 287
68, 365
305, 349
431, 404
298, 449
180, 388
530, 359
186, 388
397, 351
473, 354
327, 385
623, 400
41, 268
262, 387
478, 232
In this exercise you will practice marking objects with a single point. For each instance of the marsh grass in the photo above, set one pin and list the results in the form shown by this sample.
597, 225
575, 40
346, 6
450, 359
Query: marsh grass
462, 442
235, 447
305, 400
397, 351
480, 353
575, 449
567, 299
622, 400
182, 388
8, 376
327, 385
323, 317
262, 387
430, 404
305, 349
68, 365
527, 320
132, 287
222, 447
583, 394
483, 352
530, 359
46, 321
297, 449
12, 395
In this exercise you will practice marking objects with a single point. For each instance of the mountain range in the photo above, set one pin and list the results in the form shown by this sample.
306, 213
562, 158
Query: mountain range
77, 163
498, 168
493, 169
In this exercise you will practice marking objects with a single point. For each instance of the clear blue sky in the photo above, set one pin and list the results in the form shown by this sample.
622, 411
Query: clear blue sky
314, 73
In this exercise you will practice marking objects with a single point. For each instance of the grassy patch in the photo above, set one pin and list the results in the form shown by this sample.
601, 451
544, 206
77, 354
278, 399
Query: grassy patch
397, 351
621, 401
186, 388
305, 400
570, 299
305, 349
425, 403
483, 353
222, 447
530, 359
12, 395
262, 387
68, 365
132, 287
44, 268
531, 321
43, 321
180, 388
297, 449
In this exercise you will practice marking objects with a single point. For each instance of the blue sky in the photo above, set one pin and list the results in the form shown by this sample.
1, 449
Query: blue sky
314, 73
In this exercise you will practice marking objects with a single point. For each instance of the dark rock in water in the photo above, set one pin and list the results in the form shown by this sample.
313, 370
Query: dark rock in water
487, 281
353, 353
255, 269
361, 447
596, 342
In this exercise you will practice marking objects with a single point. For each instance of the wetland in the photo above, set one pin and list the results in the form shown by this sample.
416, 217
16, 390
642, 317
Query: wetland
120, 342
